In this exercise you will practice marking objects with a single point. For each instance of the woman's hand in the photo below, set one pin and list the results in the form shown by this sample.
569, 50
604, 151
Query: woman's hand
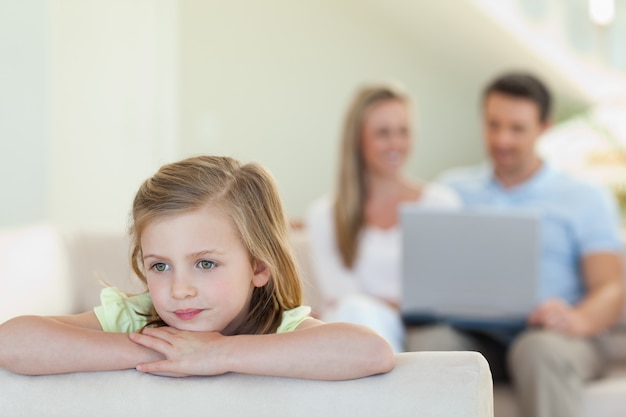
186, 353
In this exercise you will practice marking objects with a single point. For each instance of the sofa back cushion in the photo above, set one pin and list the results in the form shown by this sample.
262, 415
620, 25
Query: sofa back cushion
301, 249
99, 259
34, 272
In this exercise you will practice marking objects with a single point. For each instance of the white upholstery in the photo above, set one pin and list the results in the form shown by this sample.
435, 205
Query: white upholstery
69, 265
427, 384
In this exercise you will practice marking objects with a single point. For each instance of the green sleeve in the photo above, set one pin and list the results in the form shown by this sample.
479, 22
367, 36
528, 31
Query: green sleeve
121, 313
292, 318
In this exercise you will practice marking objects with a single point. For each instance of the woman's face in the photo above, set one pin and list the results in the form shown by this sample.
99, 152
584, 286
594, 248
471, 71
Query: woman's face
386, 137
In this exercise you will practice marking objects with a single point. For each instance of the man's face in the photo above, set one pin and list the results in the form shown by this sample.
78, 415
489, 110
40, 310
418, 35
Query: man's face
512, 126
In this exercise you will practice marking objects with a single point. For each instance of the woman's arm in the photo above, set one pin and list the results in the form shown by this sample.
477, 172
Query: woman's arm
315, 350
39, 345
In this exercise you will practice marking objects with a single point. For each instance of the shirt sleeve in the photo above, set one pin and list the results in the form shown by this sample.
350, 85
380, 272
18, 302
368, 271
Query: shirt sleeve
292, 319
121, 313
598, 228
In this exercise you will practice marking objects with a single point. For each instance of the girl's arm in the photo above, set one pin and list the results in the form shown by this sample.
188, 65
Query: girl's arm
314, 350
39, 345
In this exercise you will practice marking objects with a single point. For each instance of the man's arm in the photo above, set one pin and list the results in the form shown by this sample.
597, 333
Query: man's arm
602, 305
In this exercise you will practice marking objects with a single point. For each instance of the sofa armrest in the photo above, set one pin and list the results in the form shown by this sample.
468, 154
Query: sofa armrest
424, 384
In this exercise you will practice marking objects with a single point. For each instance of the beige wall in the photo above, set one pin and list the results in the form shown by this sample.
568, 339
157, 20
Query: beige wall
269, 81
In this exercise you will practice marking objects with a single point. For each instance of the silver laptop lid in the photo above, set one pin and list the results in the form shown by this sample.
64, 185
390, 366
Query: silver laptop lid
478, 264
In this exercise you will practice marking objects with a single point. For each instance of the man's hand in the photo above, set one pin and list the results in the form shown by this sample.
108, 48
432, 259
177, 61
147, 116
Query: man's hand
556, 314
186, 353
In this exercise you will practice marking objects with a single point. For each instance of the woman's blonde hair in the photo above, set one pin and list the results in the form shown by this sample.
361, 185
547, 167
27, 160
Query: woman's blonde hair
249, 195
351, 189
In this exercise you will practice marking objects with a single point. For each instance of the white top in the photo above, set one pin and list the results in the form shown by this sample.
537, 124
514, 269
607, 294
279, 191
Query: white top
377, 268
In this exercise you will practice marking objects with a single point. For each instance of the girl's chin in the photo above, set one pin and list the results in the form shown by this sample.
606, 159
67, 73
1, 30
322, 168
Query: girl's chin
190, 327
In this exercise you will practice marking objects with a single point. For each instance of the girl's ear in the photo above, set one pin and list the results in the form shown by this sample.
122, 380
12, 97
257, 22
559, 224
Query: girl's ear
261, 274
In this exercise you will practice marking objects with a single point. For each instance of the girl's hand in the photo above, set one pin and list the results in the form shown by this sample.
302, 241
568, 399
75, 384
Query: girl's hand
557, 315
186, 353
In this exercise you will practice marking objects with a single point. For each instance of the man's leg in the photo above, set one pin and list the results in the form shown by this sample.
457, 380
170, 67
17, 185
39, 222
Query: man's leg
549, 370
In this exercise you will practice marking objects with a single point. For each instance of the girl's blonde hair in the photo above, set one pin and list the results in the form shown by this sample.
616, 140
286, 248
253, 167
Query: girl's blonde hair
351, 189
249, 195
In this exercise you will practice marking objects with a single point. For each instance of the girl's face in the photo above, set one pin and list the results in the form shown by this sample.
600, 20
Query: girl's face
199, 273
386, 138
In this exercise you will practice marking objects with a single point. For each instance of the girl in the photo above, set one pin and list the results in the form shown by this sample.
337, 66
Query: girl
357, 232
209, 241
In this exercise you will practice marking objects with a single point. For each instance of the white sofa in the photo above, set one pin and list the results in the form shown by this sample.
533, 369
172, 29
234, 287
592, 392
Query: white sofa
47, 271
605, 397
428, 384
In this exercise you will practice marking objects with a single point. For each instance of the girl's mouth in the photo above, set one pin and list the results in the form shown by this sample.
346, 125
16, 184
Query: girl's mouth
187, 314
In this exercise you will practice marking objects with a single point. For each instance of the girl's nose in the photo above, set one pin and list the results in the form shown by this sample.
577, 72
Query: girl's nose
182, 288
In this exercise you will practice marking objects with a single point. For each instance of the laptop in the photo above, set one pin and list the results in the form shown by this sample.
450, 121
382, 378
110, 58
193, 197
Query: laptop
472, 268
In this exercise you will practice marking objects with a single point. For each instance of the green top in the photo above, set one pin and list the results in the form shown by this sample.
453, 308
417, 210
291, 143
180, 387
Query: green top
121, 313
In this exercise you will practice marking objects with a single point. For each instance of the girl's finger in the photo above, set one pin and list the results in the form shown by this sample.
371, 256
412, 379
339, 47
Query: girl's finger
158, 368
159, 332
155, 343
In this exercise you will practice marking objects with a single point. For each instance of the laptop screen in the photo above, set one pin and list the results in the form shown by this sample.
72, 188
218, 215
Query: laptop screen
469, 265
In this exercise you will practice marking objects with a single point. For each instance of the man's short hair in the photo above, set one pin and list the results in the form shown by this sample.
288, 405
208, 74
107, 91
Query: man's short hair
522, 85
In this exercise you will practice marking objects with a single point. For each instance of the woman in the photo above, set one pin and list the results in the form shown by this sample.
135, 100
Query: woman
355, 236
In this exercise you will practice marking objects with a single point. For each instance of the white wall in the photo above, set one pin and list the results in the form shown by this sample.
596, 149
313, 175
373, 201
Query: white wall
102, 92
114, 107
270, 82
88, 107
23, 111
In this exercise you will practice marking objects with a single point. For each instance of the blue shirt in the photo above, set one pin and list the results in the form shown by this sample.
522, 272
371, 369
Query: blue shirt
577, 218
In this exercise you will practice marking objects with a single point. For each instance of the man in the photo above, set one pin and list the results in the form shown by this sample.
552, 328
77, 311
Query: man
581, 288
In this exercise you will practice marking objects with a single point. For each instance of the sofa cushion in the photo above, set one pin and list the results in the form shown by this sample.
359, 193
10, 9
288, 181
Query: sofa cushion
34, 272
99, 259
299, 240
605, 397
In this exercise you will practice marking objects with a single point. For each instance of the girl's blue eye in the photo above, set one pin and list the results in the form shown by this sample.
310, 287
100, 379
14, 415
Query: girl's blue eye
206, 264
160, 267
